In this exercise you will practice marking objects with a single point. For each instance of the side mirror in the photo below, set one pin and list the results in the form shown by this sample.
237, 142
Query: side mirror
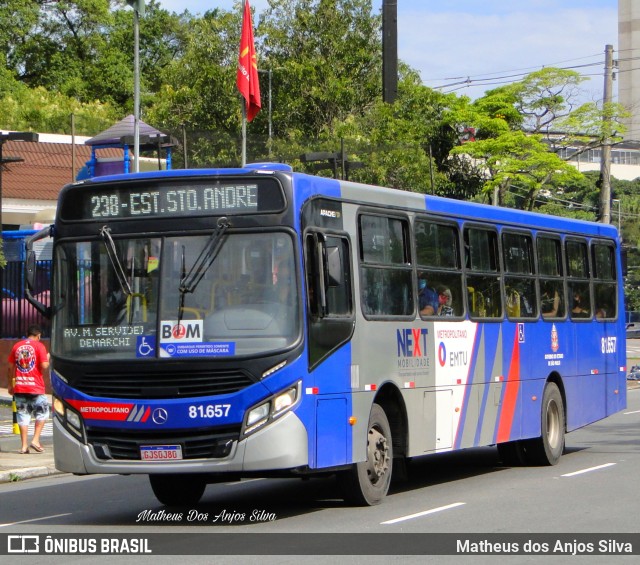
31, 267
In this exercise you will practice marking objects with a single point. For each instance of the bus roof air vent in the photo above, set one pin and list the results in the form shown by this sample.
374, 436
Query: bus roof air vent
270, 167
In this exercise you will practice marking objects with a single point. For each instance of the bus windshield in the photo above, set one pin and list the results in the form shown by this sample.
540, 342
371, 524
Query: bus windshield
168, 297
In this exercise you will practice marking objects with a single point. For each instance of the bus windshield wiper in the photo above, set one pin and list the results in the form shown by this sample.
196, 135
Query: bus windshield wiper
189, 281
112, 253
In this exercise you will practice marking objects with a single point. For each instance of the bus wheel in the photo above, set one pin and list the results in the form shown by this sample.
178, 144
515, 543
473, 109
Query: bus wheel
177, 490
367, 483
547, 449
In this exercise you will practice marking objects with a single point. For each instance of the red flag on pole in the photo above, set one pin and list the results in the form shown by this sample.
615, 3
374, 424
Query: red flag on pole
247, 79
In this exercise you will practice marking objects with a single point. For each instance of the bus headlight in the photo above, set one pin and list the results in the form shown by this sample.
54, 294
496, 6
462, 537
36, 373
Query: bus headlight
271, 408
258, 416
74, 420
70, 419
58, 407
285, 401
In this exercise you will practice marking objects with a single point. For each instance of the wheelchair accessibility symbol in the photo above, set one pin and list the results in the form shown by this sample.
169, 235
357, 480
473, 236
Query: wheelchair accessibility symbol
145, 346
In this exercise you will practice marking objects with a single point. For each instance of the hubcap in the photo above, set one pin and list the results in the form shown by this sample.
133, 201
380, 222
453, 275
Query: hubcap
553, 424
377, 455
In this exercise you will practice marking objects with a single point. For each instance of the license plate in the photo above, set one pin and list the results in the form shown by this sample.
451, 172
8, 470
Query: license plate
160, 452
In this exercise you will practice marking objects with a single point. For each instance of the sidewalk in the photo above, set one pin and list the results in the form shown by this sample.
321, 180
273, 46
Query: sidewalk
15, 466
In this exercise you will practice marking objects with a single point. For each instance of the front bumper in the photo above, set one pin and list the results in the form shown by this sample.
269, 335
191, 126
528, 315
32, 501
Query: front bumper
281, 445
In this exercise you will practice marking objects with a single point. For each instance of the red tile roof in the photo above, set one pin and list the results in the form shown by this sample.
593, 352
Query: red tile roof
45, 169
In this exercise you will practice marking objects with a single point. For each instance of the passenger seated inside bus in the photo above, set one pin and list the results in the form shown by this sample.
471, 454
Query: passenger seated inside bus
605, 302
445, 301
434, 301
580, 307
513, 303
550, 302
427, 298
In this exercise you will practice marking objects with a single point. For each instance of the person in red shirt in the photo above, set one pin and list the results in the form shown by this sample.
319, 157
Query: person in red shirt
27, 360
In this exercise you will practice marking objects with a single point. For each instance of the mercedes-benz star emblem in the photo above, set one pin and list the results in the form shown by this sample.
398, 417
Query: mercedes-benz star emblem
160, 416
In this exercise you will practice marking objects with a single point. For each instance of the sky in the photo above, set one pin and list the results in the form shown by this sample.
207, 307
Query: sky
470, 46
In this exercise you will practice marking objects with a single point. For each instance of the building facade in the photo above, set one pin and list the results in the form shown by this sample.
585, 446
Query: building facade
627, 56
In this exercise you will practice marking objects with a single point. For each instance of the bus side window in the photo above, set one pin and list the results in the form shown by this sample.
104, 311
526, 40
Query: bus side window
579, 285
551, 298
485, 297
438, 258
604, 289
550, 269
385, 266
329, 294
520, 288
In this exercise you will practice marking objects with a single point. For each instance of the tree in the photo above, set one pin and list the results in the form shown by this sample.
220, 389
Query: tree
199, 89
515, 160
37, 109
84, 48
543, 97
326, 57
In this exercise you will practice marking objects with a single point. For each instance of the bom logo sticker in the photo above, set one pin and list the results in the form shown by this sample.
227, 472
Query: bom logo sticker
182, 332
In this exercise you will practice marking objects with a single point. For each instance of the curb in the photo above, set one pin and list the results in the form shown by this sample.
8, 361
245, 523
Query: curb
16, 475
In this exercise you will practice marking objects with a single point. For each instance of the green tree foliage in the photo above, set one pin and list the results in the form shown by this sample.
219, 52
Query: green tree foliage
517, 161
400, 144
543, 97
326, 61
84, 48
199, 89
37, 109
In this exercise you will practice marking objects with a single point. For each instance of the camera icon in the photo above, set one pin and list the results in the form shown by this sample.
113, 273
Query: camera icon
23, 544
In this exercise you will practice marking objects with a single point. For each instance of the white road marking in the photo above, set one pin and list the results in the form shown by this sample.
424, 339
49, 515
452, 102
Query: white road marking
243, 482
588, 470
34, 520
425, 513
6, 429
634, 412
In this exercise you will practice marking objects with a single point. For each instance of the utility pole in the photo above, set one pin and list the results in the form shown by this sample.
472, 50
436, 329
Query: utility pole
389, 50
138, 10
605, 161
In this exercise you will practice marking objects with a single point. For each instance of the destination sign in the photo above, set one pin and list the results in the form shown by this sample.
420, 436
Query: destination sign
172, 199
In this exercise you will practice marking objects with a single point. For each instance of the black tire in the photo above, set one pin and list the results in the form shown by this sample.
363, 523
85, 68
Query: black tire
548, 448
367, 483
177, 490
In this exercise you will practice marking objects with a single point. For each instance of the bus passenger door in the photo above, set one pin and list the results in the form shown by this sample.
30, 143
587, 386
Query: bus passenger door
438, 419
330, 325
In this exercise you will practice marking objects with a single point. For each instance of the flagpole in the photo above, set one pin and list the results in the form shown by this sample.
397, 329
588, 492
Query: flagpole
244, 117
244, 132
136, 90
247, 76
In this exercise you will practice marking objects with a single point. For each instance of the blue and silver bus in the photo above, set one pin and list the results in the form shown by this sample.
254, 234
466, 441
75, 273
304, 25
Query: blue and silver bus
210, 325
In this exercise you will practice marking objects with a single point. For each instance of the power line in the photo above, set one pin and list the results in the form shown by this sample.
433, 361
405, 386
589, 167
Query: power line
523, 70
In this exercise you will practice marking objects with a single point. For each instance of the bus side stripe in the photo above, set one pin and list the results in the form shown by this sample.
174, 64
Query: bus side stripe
466, 424
512, 388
